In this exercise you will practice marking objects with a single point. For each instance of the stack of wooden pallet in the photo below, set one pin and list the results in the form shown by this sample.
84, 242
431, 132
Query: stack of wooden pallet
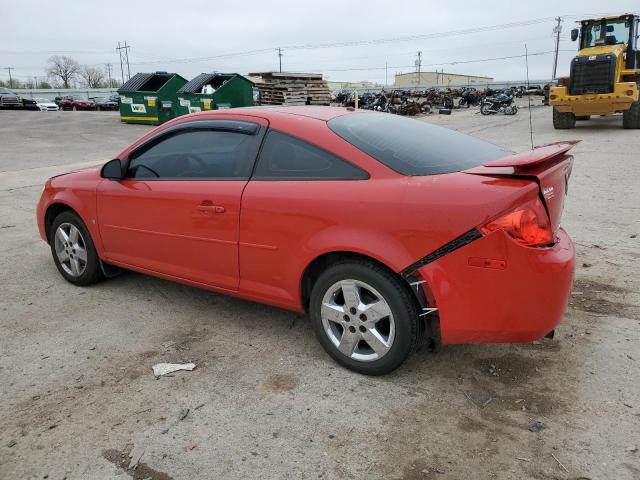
283, 88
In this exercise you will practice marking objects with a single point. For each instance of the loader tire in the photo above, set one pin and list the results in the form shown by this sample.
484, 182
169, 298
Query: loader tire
563, 120
583, 117
631, 118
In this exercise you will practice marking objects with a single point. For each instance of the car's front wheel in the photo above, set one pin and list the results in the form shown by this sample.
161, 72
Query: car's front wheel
73, 251
364, 317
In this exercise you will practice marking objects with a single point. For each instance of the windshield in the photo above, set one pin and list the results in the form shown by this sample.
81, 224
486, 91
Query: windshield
413, 147
43, 100
615, 31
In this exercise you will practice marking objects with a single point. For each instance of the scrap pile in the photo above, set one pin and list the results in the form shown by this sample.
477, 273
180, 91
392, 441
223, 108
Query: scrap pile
283, 88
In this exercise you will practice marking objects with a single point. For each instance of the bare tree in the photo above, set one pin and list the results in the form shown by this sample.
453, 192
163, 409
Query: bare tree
64, 69
93, 77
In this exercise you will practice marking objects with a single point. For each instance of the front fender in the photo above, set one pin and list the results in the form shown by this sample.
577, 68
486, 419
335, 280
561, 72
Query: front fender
78, 195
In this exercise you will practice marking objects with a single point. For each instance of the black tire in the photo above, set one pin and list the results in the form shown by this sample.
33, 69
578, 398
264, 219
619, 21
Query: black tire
400, 300
92, 272
486, 108
631, 118
583, 117
563, 120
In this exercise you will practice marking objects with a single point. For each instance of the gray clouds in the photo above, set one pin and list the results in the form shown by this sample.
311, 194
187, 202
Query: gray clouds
184, 36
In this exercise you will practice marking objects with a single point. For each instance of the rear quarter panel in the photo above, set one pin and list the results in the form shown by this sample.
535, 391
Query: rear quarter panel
395, 219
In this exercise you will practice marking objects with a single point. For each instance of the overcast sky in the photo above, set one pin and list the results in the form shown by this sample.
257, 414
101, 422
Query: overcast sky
190, 37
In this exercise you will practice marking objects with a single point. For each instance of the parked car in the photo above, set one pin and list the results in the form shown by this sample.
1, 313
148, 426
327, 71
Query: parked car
30, 104
105, 103
9, 100
76, 102
387, 231
46, 105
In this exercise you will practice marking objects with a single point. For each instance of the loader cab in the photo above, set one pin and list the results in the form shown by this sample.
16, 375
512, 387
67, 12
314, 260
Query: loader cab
605, 32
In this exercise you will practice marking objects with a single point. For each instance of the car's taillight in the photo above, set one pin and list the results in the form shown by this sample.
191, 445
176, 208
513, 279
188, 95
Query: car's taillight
528, 224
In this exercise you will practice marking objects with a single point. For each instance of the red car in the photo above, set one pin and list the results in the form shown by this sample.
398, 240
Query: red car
76, 102
389, 232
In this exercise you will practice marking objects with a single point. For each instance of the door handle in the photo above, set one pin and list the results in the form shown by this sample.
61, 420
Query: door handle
207, 208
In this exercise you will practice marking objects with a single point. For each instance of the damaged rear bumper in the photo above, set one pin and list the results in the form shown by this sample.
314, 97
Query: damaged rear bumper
494, 290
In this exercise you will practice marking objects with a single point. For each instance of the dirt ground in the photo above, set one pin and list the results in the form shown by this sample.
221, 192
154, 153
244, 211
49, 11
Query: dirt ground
78, 396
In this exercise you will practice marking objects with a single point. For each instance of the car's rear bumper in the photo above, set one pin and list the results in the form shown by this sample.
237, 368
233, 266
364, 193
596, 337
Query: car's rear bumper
519, 296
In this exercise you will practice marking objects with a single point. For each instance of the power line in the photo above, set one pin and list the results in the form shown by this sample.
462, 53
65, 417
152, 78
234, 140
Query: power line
488, 28
379, 41
458, 62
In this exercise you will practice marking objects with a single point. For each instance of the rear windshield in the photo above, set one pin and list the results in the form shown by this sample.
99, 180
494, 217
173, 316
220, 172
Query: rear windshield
412, 147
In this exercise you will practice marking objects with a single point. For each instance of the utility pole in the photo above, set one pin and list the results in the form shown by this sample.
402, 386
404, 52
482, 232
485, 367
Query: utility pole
108, 67
123, 51
126, 52
418, 66
120, 54
557, 29
10, 79
36, 79
386, 71
280, 59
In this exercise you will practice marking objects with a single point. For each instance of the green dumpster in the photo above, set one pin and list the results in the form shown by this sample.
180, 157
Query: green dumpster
150, 98
212, 91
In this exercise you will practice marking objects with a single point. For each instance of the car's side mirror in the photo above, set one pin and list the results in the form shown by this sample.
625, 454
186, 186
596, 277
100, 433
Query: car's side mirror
112, 170
574, 34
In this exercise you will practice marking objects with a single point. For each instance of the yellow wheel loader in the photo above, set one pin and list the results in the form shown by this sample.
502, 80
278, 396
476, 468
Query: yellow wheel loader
604, 76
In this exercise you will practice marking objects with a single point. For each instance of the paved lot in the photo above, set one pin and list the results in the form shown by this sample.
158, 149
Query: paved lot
78, 395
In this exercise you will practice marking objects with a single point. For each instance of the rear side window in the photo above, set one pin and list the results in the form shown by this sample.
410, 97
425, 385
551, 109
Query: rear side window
196, 154
284, 157
412, 147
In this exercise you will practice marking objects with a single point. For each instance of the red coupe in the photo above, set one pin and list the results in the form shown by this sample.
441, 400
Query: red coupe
389, 232
76, 102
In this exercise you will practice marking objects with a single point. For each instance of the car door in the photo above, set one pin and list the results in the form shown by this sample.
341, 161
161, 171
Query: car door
297, 190
177, 210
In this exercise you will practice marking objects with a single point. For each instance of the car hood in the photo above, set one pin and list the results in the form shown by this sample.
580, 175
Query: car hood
64, 179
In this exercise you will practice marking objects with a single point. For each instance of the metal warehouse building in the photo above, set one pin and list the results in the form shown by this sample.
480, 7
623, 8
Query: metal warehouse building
438, 78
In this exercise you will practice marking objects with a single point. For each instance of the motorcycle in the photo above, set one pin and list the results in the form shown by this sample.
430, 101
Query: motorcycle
500, 103
469, 97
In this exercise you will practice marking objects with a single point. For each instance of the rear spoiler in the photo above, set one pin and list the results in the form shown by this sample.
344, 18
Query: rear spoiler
534, 156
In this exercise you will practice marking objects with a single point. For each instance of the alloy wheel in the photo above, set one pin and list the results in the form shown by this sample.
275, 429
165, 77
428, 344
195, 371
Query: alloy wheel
71, 249
357, 320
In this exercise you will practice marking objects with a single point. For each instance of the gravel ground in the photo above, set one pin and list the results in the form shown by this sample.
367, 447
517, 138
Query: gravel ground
79, 398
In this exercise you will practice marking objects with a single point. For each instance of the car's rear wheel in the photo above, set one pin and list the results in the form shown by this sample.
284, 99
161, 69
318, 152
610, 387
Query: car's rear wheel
73, 250
364, 317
